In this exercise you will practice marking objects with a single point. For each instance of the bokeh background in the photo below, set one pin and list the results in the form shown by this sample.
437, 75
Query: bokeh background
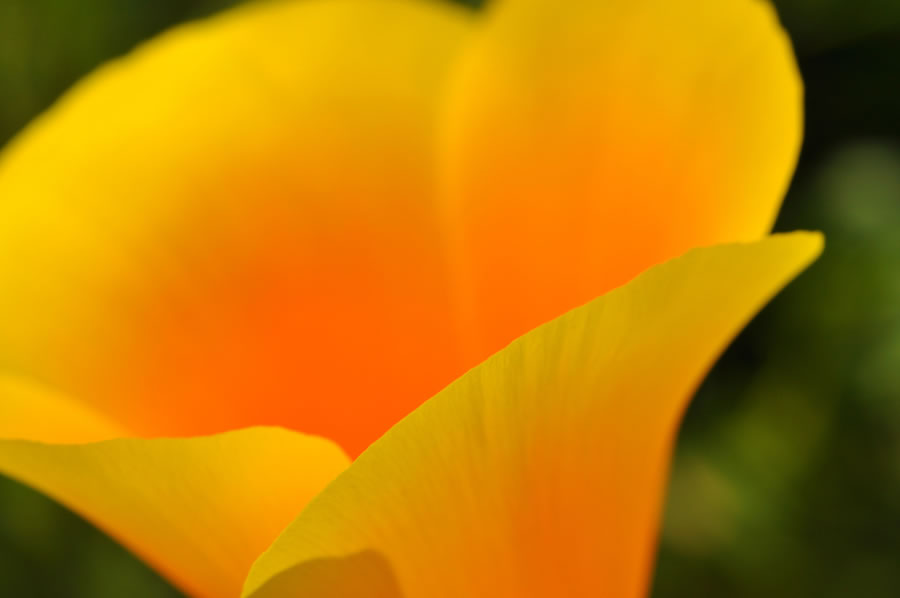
787, 476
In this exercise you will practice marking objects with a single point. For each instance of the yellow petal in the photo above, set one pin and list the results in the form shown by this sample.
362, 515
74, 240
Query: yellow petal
363, 575
30, 412
235, 225
540, 473
199, 510
586, 141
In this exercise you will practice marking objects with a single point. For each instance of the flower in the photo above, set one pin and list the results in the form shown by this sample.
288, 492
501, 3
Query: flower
317, 214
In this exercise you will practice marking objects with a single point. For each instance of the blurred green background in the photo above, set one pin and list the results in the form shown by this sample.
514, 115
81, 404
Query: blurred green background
787, 476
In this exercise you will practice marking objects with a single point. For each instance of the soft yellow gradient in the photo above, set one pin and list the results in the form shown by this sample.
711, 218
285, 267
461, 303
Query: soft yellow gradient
199, 510
585, 141
29, 411
235, 225
541, 472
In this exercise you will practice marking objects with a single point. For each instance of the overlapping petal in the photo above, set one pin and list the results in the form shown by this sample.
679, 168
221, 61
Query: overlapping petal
199, 510
540, 473
235, 225
317, 203
585, 141
363, 575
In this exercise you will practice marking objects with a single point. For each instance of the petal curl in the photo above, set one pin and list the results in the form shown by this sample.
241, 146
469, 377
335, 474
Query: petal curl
199, 510
586, 141
540, 473
212, 232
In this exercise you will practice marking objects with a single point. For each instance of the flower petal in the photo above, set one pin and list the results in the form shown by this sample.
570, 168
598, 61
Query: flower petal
586, 141
200, 510
363, 575
540, 473
236, 225
30, 412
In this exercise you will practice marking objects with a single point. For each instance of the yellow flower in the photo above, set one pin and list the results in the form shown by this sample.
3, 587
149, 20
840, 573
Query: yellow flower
317, 214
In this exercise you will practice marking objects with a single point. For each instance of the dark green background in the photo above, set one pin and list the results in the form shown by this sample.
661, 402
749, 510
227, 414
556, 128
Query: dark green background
787, 478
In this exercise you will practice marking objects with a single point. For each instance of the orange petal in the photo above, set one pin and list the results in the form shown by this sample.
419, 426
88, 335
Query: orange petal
199, 510
540, 472
235, 225
586, 141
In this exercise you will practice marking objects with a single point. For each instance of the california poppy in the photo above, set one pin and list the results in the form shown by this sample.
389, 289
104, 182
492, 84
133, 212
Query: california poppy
317, 214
